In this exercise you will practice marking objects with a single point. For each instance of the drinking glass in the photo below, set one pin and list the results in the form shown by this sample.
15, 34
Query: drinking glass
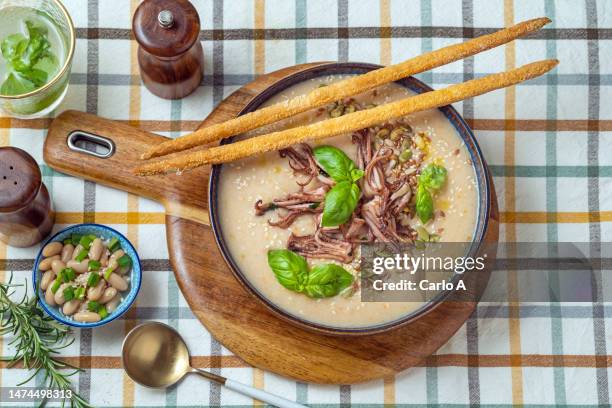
45, 99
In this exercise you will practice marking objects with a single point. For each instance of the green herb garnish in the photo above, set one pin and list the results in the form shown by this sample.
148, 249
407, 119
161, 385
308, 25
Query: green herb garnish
342, 199
327, 280
292, 271
29, 60
114, 244
93, 279
107, 273
124, 261
55, 286
86, 241
80, 293
94, 265
57, 282
340, 202
432, 179
102, 312
37, 340
68, 274
93, 306
75, 238
82, 255
69, 293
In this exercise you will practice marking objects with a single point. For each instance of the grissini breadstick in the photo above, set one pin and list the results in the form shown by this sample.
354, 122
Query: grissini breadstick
345, 88
347, 123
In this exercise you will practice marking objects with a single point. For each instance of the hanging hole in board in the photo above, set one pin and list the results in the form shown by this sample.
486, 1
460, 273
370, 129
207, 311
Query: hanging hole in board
91, 144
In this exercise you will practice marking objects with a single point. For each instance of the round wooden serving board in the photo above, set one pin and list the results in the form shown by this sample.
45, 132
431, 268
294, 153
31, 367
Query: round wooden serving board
239, 321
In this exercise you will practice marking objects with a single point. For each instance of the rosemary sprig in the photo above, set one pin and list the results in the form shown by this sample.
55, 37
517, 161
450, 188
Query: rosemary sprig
37, 339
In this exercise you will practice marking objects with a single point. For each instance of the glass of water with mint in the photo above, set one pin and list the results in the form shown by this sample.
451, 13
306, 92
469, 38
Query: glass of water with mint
37, 41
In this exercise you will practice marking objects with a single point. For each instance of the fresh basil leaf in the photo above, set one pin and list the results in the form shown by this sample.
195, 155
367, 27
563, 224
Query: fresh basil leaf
340, 202
327, 280
10, 46
335, 162
424, 204
291, 269
356, 174
16, 85
433, 177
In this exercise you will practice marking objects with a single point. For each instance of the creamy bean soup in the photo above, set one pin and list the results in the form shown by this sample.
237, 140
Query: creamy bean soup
312, 205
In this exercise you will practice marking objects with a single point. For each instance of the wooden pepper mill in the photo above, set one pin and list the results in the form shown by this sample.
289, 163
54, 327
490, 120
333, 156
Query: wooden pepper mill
170, 55
26, 210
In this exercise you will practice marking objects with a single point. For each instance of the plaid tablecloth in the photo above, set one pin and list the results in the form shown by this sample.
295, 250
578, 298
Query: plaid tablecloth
548, 142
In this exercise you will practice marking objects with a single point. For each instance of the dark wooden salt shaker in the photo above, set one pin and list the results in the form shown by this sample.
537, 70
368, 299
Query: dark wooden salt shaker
170, 55
26, 210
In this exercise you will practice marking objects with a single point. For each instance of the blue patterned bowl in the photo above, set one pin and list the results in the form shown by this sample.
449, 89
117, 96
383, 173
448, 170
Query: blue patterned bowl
107, 233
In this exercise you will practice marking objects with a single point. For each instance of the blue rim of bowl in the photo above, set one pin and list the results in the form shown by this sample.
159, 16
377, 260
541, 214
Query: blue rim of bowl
463, 131
73, 323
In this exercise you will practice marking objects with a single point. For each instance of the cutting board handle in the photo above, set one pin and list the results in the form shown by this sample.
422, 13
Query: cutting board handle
70, 148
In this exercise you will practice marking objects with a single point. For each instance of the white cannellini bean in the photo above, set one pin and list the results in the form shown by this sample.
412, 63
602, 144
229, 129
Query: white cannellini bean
112, 265
80, 267
71, 306
67, 252
59, 295
86, 317
52, 248
117, 282
95, 251
113, 303
45, 264
49, 296
116, 255
97, 291
104, 257
46, 279
77, 251
108, 295
57, 266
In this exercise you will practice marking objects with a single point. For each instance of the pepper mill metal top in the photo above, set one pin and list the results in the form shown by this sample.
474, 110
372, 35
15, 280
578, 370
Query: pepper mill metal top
166, 18
166, 28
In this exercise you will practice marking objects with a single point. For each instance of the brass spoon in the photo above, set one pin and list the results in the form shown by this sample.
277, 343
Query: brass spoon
155, 355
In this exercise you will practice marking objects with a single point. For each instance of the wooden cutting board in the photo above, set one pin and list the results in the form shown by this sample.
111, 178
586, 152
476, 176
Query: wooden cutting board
232, 315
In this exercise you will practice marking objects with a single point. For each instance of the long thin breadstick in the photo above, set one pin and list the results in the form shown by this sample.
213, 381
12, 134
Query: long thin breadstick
347, 123
346, 88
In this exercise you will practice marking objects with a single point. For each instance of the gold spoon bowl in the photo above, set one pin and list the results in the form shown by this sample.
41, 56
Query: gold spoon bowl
155, 355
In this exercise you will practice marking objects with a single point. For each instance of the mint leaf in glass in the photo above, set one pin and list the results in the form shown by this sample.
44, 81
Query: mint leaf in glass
29, 60
12, 46
16, 85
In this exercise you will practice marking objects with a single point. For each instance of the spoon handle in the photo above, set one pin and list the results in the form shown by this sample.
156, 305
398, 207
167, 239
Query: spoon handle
262, 395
